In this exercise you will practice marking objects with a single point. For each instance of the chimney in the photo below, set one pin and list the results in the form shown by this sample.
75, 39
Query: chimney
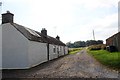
44, 31
7, 17
58, 38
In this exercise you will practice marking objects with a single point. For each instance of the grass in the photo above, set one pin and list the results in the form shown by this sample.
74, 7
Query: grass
107, 58
74, 50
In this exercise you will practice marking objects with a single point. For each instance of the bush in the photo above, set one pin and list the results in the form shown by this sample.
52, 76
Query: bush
97, 47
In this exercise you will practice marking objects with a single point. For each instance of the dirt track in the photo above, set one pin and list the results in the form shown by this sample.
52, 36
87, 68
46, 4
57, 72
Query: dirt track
76, 65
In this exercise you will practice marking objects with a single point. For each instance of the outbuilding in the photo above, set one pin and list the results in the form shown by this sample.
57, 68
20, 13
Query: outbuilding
114, 41
24, 48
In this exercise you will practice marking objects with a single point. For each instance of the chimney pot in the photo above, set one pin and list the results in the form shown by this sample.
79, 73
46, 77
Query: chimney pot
44, 31
58, 38
8, 11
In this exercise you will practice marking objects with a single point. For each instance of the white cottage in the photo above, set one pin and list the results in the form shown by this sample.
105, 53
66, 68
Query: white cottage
24, 48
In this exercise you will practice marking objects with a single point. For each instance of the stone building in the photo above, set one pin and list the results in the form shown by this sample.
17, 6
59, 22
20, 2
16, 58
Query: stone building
114, 41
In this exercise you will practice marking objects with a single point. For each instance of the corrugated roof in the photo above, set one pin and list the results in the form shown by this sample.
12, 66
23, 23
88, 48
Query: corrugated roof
36, 36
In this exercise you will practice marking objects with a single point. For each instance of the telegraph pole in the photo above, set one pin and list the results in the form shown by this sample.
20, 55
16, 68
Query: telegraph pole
93, 35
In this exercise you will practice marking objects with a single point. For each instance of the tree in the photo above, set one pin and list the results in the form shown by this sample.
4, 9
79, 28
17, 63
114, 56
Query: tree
70, 45
77, 44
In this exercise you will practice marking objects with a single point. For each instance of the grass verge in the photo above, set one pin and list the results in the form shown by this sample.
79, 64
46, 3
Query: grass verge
74, 50
107, 58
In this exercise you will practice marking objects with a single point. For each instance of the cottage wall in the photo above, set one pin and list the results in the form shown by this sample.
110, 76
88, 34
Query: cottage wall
53, 53
61, 50
66, 50
14, 48
37, 53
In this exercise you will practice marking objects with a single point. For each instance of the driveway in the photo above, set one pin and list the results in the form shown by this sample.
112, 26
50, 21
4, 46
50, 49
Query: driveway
80, 65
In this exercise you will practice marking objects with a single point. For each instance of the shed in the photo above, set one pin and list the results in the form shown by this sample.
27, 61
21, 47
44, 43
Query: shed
114, 40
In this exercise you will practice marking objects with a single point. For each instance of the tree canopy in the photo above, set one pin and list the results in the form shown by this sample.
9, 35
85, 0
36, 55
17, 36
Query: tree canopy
77, 44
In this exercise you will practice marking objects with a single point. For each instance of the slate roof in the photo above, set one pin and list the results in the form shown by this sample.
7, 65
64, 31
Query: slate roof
33, 35
114, 35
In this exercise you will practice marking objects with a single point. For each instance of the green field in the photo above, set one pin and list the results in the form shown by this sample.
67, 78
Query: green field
74, 50
107, 58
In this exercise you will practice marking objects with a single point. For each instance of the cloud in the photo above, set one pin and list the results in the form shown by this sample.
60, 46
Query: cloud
103, 27
94, 4
71, 19
106, 21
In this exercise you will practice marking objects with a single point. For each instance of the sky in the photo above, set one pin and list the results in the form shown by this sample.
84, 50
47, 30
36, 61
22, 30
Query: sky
72, 20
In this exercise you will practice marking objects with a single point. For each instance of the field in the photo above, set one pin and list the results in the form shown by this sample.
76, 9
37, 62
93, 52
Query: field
74, 50
107, 58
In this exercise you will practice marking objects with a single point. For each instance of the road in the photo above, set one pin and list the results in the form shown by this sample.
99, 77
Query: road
80, 65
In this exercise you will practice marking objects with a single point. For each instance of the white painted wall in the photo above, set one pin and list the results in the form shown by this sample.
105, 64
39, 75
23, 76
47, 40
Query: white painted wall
60, 54
56, 52
14, 48
66, 50
37, 53
0, 47
52, 54
62, 50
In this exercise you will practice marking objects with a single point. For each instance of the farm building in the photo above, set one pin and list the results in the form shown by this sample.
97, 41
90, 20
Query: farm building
24, 48
114, 41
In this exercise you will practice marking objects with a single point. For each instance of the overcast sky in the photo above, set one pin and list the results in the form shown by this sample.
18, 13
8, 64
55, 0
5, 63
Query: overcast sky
72, 20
